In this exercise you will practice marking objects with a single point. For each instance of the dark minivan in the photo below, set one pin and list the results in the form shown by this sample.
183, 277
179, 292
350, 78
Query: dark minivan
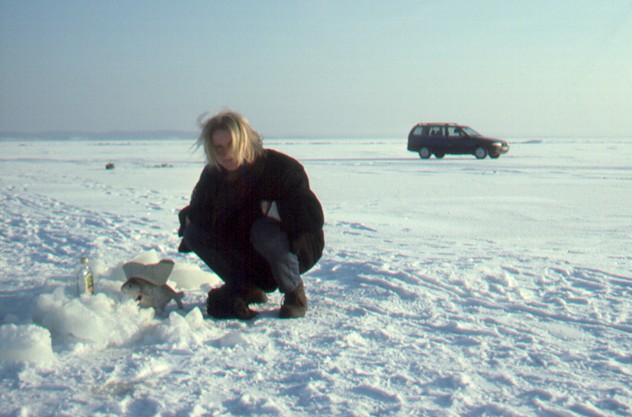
441, 139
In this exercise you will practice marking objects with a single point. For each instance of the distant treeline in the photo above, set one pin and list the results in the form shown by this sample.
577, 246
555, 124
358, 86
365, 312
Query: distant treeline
113, 135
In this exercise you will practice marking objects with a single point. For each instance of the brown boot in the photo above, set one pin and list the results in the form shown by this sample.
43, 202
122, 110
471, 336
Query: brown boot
255, 295
241, 310
219, 303
222, 303
294, 303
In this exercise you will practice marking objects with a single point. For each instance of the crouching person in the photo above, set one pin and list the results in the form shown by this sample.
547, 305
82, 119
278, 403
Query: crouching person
252, 219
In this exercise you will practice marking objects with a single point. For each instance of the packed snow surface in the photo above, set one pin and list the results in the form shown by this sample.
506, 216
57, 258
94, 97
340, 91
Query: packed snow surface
454, 287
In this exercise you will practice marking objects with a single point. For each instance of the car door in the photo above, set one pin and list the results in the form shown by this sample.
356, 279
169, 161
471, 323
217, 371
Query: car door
453, 139
437, 139
464, 143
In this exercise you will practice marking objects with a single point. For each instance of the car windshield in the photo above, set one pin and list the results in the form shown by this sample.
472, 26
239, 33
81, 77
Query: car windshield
470, 131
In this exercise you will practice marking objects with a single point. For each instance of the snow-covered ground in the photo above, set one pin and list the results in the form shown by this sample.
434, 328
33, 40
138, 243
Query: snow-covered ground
452, 287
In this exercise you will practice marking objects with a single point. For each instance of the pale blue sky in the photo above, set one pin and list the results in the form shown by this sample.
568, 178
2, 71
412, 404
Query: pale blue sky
319, 68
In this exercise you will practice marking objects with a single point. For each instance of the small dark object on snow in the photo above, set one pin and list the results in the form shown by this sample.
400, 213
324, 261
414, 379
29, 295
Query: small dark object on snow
109, 165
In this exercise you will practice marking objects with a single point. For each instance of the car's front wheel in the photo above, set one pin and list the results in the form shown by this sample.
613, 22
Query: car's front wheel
424, 153
480, 153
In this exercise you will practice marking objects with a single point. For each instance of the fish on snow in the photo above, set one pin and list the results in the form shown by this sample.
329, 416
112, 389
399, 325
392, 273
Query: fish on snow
151, 295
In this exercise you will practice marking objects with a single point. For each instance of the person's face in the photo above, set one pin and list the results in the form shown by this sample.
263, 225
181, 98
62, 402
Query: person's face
222, 141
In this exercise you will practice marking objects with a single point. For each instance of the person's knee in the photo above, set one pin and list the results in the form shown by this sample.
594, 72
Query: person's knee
266, 235
258, 232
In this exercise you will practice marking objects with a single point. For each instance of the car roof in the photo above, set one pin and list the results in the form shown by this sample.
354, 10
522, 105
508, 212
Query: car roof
439, 123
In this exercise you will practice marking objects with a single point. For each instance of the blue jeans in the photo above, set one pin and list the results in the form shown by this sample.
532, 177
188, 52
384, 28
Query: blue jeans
269, 263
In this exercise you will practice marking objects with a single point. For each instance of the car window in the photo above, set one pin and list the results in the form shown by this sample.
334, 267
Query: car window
418, 130
455, 132
470, 131
436, 131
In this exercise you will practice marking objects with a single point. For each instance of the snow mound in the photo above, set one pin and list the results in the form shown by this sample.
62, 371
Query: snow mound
25, 343
98, 319
111, 319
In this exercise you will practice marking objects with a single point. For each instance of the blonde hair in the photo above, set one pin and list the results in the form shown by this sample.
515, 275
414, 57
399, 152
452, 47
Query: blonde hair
246, 144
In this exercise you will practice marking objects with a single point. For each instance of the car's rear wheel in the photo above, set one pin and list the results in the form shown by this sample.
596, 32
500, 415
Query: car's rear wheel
424, 153
439, 155
480, 153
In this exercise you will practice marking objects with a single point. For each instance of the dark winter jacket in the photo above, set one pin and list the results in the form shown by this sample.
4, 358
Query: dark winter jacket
227, 204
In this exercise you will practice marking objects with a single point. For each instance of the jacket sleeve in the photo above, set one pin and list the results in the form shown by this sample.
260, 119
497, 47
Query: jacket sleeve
201, 202
301, 216
300, 210
195, 209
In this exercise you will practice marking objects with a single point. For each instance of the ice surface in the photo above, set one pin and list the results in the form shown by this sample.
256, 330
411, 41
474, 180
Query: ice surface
453, 287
